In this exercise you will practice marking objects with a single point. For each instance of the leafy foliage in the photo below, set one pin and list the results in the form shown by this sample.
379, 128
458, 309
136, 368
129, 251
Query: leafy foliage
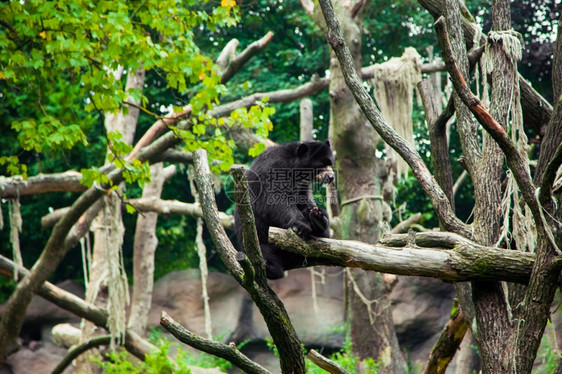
87, 45
119, 362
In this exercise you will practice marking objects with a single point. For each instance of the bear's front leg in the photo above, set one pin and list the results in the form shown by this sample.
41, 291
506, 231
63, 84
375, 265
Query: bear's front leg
301, 226
320, 222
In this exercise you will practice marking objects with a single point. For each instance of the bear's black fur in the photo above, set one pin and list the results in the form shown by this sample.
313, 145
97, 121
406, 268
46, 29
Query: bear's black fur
280, 182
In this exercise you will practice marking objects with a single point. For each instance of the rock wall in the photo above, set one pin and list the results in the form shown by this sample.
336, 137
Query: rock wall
420, 309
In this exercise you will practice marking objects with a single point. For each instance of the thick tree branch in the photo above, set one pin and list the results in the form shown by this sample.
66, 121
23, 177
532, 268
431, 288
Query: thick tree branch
449, 341
239, 60
434, 192
68, 181
467, 261
68, 301
228, 352
536, 110
252, 279
515, 161
167, 207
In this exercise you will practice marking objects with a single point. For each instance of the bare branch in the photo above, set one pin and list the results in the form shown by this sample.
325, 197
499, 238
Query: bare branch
435, 193
50, 219
176, 207
459, 182
448, 343
78, 350
238, 61
228, 352
272, 309
467, 261
324, 363
227, 53
69, 181
405, 225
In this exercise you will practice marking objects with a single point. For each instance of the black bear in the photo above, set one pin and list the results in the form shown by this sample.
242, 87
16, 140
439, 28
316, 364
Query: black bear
280, 182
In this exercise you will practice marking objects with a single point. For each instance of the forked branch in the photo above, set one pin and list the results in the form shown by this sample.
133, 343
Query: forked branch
252, 278
407, 152
227, 351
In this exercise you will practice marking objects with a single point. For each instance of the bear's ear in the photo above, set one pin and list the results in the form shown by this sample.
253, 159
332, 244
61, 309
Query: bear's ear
302, 150
327, 143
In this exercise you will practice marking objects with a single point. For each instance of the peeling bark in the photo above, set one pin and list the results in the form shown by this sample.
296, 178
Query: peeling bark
144, 249
466, 261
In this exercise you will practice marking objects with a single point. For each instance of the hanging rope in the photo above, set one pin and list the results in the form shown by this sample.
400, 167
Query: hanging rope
15, 229
522, 228
394, 82
117, 285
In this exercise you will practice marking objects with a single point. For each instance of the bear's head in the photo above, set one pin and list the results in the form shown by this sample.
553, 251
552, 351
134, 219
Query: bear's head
319, 157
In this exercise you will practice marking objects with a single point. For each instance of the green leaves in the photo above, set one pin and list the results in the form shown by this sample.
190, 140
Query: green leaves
50, 133
13, 166
71, 52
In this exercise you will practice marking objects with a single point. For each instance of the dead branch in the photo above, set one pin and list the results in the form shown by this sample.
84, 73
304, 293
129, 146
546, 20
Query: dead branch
239, 60
324, 363
250, 273
449, 341
228, 352
405, 225
69, 181
466, 262
227, 53
432, 189
78, 350
176, 207
459, 182
50, 219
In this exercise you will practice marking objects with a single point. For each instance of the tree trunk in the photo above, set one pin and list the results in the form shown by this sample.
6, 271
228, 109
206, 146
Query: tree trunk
144, 250
360, 177
491, 308
96, 291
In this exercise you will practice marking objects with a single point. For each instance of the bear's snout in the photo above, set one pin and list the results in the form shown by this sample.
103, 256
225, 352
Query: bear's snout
326, 175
